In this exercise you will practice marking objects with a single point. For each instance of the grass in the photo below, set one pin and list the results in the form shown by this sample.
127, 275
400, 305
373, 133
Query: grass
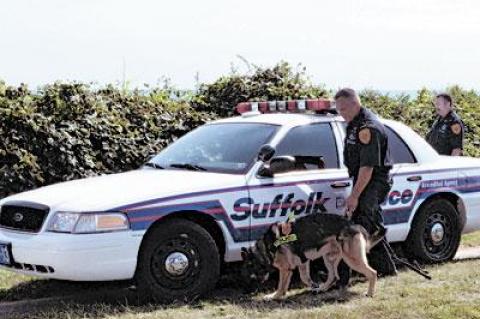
471, 240
453, 293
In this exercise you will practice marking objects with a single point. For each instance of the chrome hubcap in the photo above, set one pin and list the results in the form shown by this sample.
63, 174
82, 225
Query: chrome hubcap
176, 264
437, 233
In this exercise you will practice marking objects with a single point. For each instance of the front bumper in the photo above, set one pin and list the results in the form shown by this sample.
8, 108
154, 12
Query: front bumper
77, 257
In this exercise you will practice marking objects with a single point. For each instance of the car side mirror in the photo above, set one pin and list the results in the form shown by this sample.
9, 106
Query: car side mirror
277, 165
266, 153
313, 162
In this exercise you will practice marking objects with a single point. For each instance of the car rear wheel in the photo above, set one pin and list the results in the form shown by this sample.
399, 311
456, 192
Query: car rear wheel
179, 260
435, 233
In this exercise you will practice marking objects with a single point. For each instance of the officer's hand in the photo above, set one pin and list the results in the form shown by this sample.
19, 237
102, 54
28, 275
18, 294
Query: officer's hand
352, 203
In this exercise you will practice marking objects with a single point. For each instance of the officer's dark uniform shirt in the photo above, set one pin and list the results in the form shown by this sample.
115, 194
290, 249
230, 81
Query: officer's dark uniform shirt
446, 134
366, 144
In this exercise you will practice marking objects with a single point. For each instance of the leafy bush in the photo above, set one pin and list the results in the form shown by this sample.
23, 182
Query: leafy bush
419, 112
72, 130
68, 131
278, 83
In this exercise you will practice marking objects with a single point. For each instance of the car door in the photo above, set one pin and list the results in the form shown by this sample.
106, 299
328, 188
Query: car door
406, 175
307, 189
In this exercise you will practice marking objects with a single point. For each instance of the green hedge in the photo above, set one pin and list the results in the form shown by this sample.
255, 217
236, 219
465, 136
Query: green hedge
68, 131
281, 82
419, 113
65, 131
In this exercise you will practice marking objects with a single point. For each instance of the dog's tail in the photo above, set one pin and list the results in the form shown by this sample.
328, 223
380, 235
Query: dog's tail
352, 230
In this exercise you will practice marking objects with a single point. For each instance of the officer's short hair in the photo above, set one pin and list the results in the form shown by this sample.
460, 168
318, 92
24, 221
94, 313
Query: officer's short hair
348, 94
447, 97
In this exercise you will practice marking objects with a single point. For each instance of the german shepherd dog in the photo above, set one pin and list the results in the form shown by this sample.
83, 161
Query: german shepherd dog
286, 246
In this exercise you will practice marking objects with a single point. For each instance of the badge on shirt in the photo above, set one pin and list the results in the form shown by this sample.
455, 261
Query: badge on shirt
365, 136
352, 136
456, 128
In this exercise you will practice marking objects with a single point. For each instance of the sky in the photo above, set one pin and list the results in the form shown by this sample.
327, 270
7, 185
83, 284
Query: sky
378, 44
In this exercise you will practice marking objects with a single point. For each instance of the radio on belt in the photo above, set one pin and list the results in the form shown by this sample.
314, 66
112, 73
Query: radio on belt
292, 106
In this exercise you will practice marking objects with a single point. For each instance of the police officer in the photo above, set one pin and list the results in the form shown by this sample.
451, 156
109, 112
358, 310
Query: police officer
446, 134
367, 157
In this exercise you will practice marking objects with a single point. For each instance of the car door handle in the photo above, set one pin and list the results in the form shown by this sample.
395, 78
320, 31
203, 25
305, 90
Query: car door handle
340, 184
415, 178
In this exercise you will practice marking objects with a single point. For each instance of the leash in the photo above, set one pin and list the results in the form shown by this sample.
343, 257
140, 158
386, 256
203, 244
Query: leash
415, 267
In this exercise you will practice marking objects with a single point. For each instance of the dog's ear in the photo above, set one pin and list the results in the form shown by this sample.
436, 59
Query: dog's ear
275, 230
285, 228
244, 253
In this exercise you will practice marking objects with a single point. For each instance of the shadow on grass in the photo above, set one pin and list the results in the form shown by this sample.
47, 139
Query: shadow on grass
58, 299
63, 299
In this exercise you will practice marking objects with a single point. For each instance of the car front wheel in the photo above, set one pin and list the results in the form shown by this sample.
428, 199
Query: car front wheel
179, 260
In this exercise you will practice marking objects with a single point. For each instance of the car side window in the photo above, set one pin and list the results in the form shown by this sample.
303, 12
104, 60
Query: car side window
313, 146
398, 148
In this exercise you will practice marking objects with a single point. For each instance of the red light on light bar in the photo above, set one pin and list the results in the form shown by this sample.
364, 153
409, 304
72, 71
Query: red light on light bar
244, 107
292, 105
285, 106
262, 107
318, 105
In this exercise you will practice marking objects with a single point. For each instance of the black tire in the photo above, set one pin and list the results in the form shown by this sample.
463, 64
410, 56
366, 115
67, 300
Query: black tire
422, 245
184, 237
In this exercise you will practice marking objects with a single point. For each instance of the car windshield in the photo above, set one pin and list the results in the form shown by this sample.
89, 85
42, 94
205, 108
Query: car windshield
228, 147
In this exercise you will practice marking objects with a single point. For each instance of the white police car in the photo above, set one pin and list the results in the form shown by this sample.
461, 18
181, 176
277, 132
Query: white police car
193, 206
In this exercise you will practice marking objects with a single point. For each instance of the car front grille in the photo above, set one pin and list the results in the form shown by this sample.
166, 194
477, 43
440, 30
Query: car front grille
23, 217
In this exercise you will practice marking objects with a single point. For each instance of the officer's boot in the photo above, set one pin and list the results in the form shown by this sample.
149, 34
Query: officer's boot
381, 260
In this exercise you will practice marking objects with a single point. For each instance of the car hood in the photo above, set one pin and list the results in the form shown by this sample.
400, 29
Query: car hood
109, 191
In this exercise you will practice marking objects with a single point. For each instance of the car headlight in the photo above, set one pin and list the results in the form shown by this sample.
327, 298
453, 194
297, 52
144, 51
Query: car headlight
81, 223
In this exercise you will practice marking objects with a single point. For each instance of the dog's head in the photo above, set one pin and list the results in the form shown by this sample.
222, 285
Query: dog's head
254, 269
258, 262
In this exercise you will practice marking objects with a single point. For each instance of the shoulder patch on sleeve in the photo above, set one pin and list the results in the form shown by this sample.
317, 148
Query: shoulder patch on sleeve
456, 128
365, 135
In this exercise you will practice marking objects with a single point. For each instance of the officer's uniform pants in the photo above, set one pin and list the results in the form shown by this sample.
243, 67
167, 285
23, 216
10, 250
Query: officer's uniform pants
369, 215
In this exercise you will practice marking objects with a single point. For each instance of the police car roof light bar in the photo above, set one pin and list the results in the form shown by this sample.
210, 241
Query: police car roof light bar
320, 106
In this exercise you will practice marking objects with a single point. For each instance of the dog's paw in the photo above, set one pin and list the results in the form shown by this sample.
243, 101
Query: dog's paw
316, 288
369, 295
273, 296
